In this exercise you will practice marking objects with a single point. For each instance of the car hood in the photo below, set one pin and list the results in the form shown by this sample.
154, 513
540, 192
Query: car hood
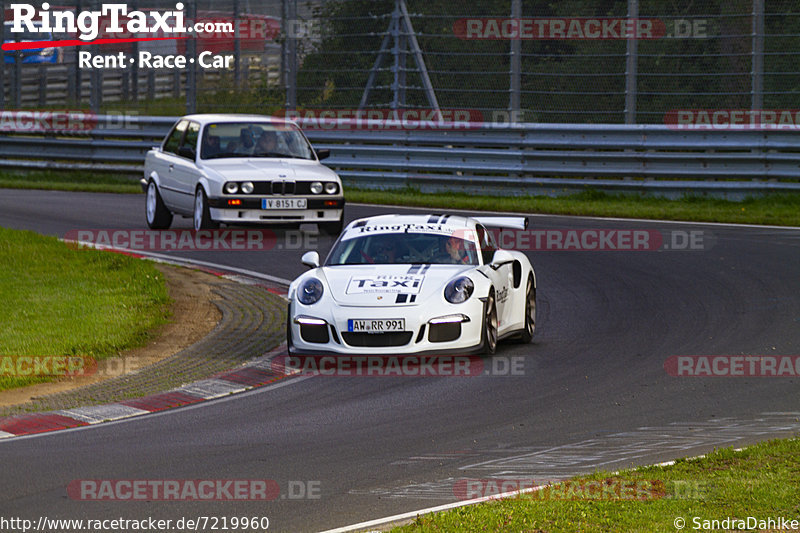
389, 285
269, 169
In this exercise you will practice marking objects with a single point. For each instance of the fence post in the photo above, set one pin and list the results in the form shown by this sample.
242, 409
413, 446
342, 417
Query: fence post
631, 57
237, 45
42, 85
515, 63
290, 51
17, 87
134, 79
96, 94
191, 73
757, 70
151, 84
396, 51
3, 63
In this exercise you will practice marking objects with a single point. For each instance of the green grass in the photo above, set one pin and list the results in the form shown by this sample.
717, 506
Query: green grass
776, 209
760, 481
69, 181
773, 209
58, 301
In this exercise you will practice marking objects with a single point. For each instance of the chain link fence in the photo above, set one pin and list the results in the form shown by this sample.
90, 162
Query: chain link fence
604, 61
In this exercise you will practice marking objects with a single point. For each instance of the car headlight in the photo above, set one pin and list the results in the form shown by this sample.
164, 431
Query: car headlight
247, 187
310, 291
231, 187
316, 187
331, 187
459, 290
47, 52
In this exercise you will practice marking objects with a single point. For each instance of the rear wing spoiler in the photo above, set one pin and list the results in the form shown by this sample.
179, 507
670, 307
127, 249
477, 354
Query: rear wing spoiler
504, 222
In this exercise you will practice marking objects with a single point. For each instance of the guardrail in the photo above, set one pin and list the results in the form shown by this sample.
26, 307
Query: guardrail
498, 159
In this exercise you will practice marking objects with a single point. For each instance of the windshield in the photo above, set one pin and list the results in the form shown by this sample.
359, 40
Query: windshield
403, 248
254, 139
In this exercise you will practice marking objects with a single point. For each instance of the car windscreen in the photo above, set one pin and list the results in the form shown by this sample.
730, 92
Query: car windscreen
403, 248
254, 139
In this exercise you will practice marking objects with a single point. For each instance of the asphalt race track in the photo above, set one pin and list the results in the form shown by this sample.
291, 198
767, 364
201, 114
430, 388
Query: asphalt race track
593, 393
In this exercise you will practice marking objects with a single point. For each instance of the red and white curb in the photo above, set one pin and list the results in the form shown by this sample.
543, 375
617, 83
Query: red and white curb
251, 375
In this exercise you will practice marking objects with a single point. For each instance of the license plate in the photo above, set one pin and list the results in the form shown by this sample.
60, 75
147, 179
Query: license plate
284, 203
371, 325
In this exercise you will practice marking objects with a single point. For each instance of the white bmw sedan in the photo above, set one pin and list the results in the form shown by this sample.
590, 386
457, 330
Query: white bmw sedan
240, 169
403, 284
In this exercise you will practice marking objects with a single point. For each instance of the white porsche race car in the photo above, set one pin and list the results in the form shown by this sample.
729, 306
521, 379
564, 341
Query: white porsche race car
403, 284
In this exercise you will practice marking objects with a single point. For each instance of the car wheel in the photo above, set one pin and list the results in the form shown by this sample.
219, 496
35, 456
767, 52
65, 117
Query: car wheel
157, 214
202, 217
530, 312
331, 228
289, 343
489, 325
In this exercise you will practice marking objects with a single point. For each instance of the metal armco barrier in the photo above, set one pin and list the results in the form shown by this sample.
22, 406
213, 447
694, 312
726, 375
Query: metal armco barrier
497, 159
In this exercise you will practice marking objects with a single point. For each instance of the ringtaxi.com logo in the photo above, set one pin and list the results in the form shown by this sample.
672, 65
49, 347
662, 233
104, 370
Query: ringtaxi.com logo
113, 19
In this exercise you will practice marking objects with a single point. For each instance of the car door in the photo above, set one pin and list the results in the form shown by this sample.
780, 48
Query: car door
165, 166
184, 172
502, 279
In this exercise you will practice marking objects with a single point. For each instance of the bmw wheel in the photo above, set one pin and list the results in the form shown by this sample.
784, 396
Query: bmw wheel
202, 216
157, 214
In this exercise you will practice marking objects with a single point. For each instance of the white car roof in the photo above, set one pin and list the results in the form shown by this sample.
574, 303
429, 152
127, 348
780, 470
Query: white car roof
443, 224
208, 118
454, 221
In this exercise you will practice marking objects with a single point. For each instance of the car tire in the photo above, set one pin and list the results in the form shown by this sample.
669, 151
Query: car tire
156, 213
489, 334
331, 228
530, 312
201, 217
289, 343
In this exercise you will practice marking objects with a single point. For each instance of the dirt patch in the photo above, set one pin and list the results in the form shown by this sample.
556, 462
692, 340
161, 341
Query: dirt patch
194, 316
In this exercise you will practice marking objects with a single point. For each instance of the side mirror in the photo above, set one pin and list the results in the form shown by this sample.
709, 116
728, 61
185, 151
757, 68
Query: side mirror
323, 154
187, 152
500, 258
310, 259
